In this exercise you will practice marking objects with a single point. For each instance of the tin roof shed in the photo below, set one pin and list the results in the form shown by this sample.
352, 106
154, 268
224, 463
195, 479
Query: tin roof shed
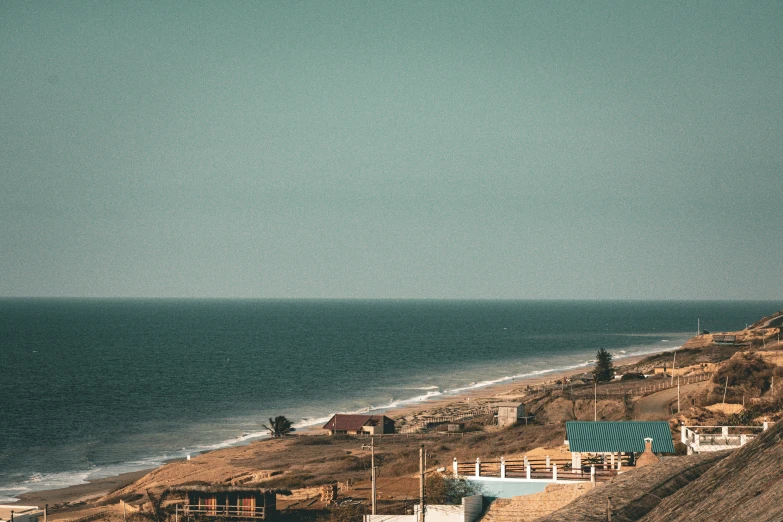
624, 436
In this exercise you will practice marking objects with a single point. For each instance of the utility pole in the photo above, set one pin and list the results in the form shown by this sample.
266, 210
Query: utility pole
595, 400
724, 393
421, 483
372, 464
674, 365
678, 394
698, 326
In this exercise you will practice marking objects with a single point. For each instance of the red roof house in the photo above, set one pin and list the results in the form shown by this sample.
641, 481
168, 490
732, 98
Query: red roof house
358, 424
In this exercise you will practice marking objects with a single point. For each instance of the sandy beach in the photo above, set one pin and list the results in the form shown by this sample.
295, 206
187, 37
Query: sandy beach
405, 415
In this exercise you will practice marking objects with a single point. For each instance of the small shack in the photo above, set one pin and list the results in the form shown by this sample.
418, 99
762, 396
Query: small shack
229, 502
350, 424
615, 438
509, 413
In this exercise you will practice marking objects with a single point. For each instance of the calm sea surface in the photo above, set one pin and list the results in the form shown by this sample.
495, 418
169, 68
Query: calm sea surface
92, 388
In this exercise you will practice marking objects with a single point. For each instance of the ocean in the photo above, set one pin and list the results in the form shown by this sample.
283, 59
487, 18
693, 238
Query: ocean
94, 388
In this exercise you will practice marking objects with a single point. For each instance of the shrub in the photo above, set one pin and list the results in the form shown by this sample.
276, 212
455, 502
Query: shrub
345, 513
632, 376
749, 371
449, 490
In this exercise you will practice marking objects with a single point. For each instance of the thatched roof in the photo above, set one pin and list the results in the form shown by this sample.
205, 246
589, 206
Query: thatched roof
217, 488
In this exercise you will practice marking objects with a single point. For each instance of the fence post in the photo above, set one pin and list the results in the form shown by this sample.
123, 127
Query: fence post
743, 439
527, 470
478, 467
547, 462
502, 467
554, 472
525, 460
455, 467
592, 474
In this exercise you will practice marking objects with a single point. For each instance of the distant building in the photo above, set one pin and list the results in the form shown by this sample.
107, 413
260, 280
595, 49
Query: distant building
343, 423
509, 413
700, 439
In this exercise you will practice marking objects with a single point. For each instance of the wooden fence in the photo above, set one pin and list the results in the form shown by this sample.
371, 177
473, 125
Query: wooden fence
425, 421
640, 389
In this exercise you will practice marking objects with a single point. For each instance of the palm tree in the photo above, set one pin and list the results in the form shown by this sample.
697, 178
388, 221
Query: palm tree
157, 511
279, 426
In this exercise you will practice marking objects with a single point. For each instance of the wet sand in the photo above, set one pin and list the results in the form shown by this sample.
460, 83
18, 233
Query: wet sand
81, 492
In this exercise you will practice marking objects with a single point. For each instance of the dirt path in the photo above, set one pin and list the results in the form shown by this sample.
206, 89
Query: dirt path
657, 405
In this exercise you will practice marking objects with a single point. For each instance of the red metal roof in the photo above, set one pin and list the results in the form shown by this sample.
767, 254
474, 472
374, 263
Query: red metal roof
348, 422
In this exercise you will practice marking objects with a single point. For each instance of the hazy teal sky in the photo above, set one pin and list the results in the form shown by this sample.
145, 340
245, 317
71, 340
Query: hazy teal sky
392, 149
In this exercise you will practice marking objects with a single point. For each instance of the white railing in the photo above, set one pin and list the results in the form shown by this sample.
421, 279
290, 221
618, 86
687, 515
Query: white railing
699, 439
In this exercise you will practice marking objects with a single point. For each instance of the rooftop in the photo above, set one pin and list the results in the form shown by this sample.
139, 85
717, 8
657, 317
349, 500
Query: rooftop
625, 436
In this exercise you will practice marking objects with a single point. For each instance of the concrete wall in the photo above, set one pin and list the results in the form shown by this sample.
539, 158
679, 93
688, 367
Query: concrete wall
472, 507
389, 518
441, 513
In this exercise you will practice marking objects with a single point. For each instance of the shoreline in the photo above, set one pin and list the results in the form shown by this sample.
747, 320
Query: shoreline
92, 489
503, 389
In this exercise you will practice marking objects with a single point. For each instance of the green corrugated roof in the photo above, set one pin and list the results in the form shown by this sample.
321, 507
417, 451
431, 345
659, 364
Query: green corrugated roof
627, 436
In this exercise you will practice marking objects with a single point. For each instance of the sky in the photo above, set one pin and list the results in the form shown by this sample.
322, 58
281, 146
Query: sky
446, 150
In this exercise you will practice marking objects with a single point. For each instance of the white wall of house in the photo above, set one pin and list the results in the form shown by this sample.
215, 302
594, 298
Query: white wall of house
469, 511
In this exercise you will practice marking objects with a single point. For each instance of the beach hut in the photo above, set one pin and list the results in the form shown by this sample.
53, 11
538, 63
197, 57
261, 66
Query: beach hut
229, 502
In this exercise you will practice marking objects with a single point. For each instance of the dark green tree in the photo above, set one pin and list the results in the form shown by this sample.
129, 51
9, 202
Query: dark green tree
279, 426
604, 369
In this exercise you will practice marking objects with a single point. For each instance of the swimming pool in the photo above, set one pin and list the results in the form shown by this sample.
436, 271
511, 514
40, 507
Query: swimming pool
498, 488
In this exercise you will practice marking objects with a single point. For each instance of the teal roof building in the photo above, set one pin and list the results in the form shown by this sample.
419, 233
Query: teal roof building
614, 436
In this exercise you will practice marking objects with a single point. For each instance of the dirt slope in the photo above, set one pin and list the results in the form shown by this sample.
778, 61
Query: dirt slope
746, 486
635, 493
